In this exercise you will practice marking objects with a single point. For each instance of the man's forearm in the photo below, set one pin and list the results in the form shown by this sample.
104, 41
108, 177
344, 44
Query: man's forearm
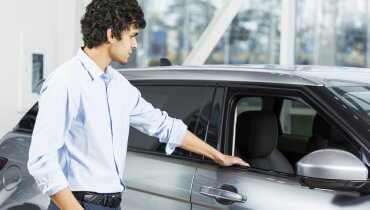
194, 144
65, 200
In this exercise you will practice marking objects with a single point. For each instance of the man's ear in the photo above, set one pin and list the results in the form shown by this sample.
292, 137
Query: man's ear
110, 37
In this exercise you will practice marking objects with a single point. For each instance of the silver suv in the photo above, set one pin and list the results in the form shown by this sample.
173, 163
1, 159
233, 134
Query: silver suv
305, 132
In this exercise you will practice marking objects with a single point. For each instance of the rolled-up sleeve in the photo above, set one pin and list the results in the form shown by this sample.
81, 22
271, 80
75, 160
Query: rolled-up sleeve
48, 136
157, 123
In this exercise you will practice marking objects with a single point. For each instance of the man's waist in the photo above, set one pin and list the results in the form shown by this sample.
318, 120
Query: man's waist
112, 200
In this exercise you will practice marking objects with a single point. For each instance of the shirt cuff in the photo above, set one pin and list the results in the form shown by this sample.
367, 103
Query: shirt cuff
177, 136
52, 185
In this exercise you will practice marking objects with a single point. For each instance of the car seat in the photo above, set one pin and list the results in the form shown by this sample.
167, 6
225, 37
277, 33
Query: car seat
256, 140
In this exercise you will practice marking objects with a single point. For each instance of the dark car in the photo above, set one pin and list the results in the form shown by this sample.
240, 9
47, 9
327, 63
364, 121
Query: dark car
305, 131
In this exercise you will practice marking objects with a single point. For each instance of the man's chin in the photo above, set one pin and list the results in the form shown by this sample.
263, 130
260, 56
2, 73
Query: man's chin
122, 62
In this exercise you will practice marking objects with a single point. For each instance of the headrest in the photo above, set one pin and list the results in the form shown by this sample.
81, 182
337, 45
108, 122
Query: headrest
256, 133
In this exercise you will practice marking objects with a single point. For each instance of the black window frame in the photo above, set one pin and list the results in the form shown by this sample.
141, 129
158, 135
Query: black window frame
190, 83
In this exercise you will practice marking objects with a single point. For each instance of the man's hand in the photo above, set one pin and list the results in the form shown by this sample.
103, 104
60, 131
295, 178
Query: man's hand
226, 160
194, 144
65, 200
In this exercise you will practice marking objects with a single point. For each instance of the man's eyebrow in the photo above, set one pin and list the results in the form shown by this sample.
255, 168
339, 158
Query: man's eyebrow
135, 34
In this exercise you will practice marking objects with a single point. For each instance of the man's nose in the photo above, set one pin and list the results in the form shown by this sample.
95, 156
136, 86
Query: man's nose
134, 43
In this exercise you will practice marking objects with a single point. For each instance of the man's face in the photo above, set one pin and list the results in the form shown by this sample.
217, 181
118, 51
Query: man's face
120, 50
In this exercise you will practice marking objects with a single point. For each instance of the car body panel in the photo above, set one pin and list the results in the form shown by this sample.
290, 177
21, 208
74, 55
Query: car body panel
269, 74
218, 75
15, 147
265, 191
157, 181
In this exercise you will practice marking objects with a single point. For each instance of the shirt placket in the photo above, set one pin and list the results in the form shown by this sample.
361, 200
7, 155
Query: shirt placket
107, 80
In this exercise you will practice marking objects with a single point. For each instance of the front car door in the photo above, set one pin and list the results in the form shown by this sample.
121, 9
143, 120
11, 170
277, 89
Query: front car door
259, 187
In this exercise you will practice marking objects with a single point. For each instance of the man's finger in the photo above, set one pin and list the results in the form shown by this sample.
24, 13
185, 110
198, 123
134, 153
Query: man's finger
242, 162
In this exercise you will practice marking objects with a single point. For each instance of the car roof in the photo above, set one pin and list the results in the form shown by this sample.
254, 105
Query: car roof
274, 74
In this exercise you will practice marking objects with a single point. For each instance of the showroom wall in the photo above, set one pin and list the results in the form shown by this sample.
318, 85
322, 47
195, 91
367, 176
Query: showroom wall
32, 33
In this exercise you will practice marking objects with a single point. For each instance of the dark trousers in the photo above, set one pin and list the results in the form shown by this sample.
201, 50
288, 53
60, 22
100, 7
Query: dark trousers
85, 205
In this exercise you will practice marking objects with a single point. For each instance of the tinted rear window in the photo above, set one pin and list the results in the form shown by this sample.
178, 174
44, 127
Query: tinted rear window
27, 123
182, 102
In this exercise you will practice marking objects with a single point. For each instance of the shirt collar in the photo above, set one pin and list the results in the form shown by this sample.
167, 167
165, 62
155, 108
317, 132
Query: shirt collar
91, 67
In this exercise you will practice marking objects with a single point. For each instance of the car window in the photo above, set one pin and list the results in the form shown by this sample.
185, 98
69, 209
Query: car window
357, 97
246, 104
257, 140
27, 123
181, 102
296, 118
249, 104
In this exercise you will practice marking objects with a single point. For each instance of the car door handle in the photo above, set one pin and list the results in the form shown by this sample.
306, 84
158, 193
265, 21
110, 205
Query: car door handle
222, 194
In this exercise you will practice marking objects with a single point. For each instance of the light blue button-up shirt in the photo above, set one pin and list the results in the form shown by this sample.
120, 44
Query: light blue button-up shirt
81, 131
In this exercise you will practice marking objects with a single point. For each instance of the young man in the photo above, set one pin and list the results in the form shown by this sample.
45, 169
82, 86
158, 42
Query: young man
85, 109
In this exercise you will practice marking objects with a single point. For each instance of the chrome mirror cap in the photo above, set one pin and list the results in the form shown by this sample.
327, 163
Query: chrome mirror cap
332, 164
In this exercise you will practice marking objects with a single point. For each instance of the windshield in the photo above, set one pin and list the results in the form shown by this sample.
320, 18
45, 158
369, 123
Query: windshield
358, 97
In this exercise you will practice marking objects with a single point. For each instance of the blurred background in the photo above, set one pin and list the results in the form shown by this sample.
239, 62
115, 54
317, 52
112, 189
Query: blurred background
328, 32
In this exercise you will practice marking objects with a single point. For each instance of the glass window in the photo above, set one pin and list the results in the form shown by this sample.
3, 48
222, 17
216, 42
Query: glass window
332, 32
296, 118
27, 123
245, 104
173, 27
251, 136
249, 104
252, 37
328, 32
181, 102
358, 97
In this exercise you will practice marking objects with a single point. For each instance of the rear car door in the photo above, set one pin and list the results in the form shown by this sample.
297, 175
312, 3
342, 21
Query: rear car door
153, 179
216, 187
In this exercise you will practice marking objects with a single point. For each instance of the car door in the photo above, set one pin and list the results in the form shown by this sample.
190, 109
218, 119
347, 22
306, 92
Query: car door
216, 187
155, 180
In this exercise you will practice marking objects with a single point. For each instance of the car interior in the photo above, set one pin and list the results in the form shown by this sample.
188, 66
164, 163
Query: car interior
273, 133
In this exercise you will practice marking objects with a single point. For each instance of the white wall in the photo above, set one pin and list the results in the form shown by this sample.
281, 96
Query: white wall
50, 27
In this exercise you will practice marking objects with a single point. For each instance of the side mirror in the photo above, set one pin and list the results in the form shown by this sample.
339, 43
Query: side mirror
333, 169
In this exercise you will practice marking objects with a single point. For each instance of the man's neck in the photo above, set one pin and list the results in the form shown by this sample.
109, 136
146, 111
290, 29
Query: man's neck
99, 55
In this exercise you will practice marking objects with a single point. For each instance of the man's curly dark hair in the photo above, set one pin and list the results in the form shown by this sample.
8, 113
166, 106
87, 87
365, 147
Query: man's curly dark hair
101, 15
